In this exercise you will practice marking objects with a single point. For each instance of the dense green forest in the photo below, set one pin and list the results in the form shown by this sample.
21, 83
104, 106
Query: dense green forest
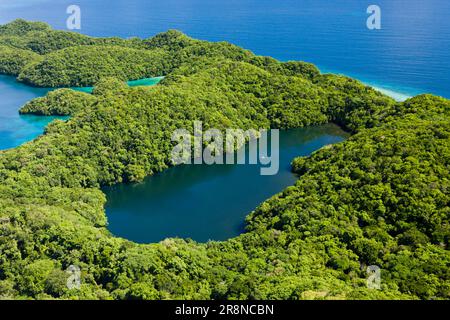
43, 57
60, 102
379, 198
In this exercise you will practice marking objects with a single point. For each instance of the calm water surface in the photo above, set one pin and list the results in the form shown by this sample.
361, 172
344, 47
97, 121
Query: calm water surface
14, 128
204, 202
410, 54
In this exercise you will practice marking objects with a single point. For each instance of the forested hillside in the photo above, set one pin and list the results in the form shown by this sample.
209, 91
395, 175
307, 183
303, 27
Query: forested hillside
43, 57
379, 198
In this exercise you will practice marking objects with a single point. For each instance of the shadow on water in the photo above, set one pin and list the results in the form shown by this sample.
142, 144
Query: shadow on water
206, 202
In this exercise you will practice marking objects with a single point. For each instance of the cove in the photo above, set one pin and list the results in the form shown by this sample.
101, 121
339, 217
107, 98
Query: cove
16, 129
207, 202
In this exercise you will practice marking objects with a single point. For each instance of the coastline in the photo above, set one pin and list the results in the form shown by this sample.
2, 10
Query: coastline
398, 93
350, 205
145, 82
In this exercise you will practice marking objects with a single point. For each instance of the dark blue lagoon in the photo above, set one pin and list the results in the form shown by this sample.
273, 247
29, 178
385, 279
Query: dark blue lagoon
191, 201
204, 202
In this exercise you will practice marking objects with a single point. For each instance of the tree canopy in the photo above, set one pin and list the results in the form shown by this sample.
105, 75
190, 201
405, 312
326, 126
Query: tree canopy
379, 198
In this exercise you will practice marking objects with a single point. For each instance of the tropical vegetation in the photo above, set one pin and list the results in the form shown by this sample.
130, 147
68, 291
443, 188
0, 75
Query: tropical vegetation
379, 198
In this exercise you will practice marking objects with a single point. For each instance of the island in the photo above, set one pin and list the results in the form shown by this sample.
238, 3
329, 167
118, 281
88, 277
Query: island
380, 198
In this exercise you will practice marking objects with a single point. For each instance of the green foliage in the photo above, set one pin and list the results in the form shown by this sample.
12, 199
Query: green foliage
60, 102
40, 38
13, 60
86, 65
381, 197
353, 104
111, 86
307, 70
21, 27
172, 40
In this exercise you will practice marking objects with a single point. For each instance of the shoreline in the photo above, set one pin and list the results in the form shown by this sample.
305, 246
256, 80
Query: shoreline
144, 82
397, 93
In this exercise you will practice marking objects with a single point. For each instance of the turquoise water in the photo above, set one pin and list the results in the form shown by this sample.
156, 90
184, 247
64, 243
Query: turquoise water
409, 55
14, 128
199, 202
17, 129
205, 202
134, 83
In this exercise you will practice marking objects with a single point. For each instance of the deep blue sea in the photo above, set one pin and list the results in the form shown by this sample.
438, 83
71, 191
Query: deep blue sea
410, 54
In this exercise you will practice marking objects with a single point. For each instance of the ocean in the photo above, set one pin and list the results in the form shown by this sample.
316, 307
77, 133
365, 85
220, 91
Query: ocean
409, 55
